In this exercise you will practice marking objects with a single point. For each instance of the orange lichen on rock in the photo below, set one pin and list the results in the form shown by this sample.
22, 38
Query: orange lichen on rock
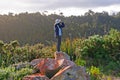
60, 68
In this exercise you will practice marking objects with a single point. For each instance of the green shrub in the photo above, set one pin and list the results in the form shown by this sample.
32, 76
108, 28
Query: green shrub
92, 50
98, 50
80, 62
112, 44
12, 52
112, 68
10, 73
18, 75
71, 47
95, 73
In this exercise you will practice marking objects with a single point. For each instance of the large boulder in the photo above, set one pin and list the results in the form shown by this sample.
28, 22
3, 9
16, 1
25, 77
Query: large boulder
60, 68
47, 64
71, 73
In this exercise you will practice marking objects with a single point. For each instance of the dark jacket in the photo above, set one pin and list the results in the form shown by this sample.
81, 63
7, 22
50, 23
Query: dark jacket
58, 28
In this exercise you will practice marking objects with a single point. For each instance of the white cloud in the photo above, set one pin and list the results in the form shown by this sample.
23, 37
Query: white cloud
54, 4
66, 6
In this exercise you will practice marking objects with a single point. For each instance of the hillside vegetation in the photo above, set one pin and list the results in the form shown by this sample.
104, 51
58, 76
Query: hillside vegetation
91, 40
99, 54
37, 27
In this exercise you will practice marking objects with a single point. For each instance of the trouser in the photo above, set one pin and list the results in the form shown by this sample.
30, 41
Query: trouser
58, 43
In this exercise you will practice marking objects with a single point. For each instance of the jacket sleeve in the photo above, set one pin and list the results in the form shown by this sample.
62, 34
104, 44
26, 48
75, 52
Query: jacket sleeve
62, 24
56, 30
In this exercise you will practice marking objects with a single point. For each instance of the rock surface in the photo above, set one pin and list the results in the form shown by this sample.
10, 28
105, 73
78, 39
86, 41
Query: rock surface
61, 55
36, 77
71, 73
35, 62
60, 68
47, 65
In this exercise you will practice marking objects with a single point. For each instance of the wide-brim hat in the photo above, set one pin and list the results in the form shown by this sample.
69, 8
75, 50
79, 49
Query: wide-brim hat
57, 20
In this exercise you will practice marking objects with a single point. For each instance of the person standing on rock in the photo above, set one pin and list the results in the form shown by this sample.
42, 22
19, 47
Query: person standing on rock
58, 32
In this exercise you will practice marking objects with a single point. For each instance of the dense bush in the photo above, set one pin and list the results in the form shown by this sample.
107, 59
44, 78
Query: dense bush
101, 52
69, 48
11, 53
95, 73
93, 51
112, 44
10, 73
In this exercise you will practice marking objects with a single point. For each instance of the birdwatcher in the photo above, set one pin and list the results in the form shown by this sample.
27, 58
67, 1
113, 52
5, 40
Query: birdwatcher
58, 32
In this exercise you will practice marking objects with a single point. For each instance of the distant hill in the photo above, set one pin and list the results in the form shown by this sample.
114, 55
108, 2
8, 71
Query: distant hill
33, 28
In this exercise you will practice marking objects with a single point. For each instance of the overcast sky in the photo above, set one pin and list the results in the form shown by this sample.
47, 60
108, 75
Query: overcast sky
68, 7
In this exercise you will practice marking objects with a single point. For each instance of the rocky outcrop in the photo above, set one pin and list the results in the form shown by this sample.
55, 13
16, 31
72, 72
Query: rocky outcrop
36, 77
60, 68
71, 73
35, 62
61, 55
